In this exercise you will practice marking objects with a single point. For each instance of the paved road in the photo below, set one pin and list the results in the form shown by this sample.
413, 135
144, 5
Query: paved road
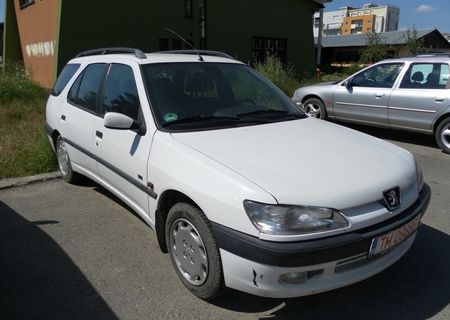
76, 252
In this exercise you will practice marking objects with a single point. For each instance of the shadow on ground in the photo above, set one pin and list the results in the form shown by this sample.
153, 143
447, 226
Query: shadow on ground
38, 280
416, 287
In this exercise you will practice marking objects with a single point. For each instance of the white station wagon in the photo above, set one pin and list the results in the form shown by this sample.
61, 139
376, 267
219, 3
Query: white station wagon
221, 165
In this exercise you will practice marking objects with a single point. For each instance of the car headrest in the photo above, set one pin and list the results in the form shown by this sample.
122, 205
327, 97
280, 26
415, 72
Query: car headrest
417, 76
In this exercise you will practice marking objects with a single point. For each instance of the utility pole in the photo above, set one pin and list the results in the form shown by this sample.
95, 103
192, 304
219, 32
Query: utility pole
202, 23
319, 38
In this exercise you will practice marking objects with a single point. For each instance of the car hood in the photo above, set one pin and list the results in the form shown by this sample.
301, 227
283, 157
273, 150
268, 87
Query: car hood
309, 161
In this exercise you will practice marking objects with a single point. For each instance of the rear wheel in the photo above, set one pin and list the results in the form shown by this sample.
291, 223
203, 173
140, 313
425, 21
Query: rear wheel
315, 108
64, 164
193, 251
442, 135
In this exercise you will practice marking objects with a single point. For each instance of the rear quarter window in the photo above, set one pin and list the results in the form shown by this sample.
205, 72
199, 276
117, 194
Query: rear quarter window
64, 77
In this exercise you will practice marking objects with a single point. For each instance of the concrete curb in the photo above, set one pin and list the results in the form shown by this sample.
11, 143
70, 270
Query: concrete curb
23, 181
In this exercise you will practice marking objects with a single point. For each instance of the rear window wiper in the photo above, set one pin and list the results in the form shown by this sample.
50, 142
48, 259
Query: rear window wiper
200, 118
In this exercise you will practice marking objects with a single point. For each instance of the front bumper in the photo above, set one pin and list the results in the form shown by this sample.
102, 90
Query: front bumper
255, 266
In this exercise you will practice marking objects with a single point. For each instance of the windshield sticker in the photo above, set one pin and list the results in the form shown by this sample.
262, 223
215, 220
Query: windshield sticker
168, 117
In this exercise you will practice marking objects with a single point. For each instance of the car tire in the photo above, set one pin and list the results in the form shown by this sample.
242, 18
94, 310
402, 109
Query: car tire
442, 135
64, 164
193, 251
315, 108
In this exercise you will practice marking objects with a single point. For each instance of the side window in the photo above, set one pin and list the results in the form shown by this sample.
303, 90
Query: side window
64, 77
120, 93
379, 76
426, 76
84, 92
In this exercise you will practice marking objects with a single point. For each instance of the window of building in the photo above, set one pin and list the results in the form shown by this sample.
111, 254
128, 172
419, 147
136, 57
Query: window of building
426, 76
261, 47
163, 44
188, 9
25, 3
176, 44
84, 92
120, 93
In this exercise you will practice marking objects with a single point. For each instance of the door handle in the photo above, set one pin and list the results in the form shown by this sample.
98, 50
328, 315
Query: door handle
439, 99
99, 134
379, 95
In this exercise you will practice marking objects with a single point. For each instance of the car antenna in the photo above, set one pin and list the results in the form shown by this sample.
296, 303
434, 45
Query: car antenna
200, 58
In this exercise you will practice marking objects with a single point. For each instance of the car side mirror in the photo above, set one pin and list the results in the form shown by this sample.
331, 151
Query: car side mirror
114, 120
347, 83
119, 121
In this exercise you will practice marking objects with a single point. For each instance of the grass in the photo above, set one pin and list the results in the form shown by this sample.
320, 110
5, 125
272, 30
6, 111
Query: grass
24, 149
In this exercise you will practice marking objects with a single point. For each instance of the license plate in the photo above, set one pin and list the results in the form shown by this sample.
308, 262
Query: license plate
383, 243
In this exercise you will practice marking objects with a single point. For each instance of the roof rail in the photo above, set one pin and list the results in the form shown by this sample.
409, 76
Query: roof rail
438, 54
138, 53
201, 52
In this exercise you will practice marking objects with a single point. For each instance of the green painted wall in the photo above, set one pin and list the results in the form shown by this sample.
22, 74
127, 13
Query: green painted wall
233, 23
133, 23
11, 43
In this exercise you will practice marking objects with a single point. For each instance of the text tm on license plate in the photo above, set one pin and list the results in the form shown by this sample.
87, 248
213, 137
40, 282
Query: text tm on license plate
389, 240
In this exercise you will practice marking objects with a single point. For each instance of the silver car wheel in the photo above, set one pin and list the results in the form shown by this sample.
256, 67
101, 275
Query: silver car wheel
188, 252
313, 110
445, 135
63, 157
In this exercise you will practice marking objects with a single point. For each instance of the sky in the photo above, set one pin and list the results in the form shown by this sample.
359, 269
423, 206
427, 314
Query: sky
2, 10
424, 14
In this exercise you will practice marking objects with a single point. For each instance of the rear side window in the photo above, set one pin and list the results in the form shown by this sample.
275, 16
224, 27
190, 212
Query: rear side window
426, 76
120, 93
64, 77
84, 92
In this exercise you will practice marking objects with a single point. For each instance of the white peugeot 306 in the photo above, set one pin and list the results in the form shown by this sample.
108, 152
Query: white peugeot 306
242, 189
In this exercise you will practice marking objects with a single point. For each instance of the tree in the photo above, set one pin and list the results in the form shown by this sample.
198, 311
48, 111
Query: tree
413, 42
375, 49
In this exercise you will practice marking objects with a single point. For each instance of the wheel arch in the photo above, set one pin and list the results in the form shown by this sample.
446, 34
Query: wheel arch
166, 200
441, 118
54, 136
309, 96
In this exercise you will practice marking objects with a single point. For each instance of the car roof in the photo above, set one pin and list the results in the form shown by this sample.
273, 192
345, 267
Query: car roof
422, 58
155, 57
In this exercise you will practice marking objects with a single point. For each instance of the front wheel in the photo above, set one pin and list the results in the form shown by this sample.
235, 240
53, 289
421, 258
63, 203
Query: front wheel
193, 251
442, 135
315, 108
64, 164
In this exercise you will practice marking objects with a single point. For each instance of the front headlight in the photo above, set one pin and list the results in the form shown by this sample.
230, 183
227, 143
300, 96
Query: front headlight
419, 175
289, 220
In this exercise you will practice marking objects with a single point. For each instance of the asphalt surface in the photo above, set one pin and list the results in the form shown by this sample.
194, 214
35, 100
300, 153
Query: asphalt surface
77, 252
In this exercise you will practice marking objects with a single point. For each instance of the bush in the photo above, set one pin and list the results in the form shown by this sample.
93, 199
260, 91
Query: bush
283, 76
16, 85
24, 147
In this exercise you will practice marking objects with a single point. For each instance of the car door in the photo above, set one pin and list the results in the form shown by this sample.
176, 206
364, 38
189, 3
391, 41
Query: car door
122, 155
365, 97
78, 117
422, 94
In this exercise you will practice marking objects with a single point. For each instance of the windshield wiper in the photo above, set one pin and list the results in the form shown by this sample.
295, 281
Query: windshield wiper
271, 112
263, 111
198, 119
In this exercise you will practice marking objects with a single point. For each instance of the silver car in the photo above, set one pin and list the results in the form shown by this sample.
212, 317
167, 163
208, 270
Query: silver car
406, 93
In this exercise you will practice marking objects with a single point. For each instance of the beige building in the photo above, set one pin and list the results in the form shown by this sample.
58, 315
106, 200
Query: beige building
350, 20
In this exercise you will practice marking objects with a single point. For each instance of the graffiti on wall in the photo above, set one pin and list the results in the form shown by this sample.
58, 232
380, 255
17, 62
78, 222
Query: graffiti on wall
41, 49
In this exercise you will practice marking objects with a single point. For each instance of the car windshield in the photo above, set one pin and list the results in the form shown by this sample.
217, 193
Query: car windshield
202, 96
